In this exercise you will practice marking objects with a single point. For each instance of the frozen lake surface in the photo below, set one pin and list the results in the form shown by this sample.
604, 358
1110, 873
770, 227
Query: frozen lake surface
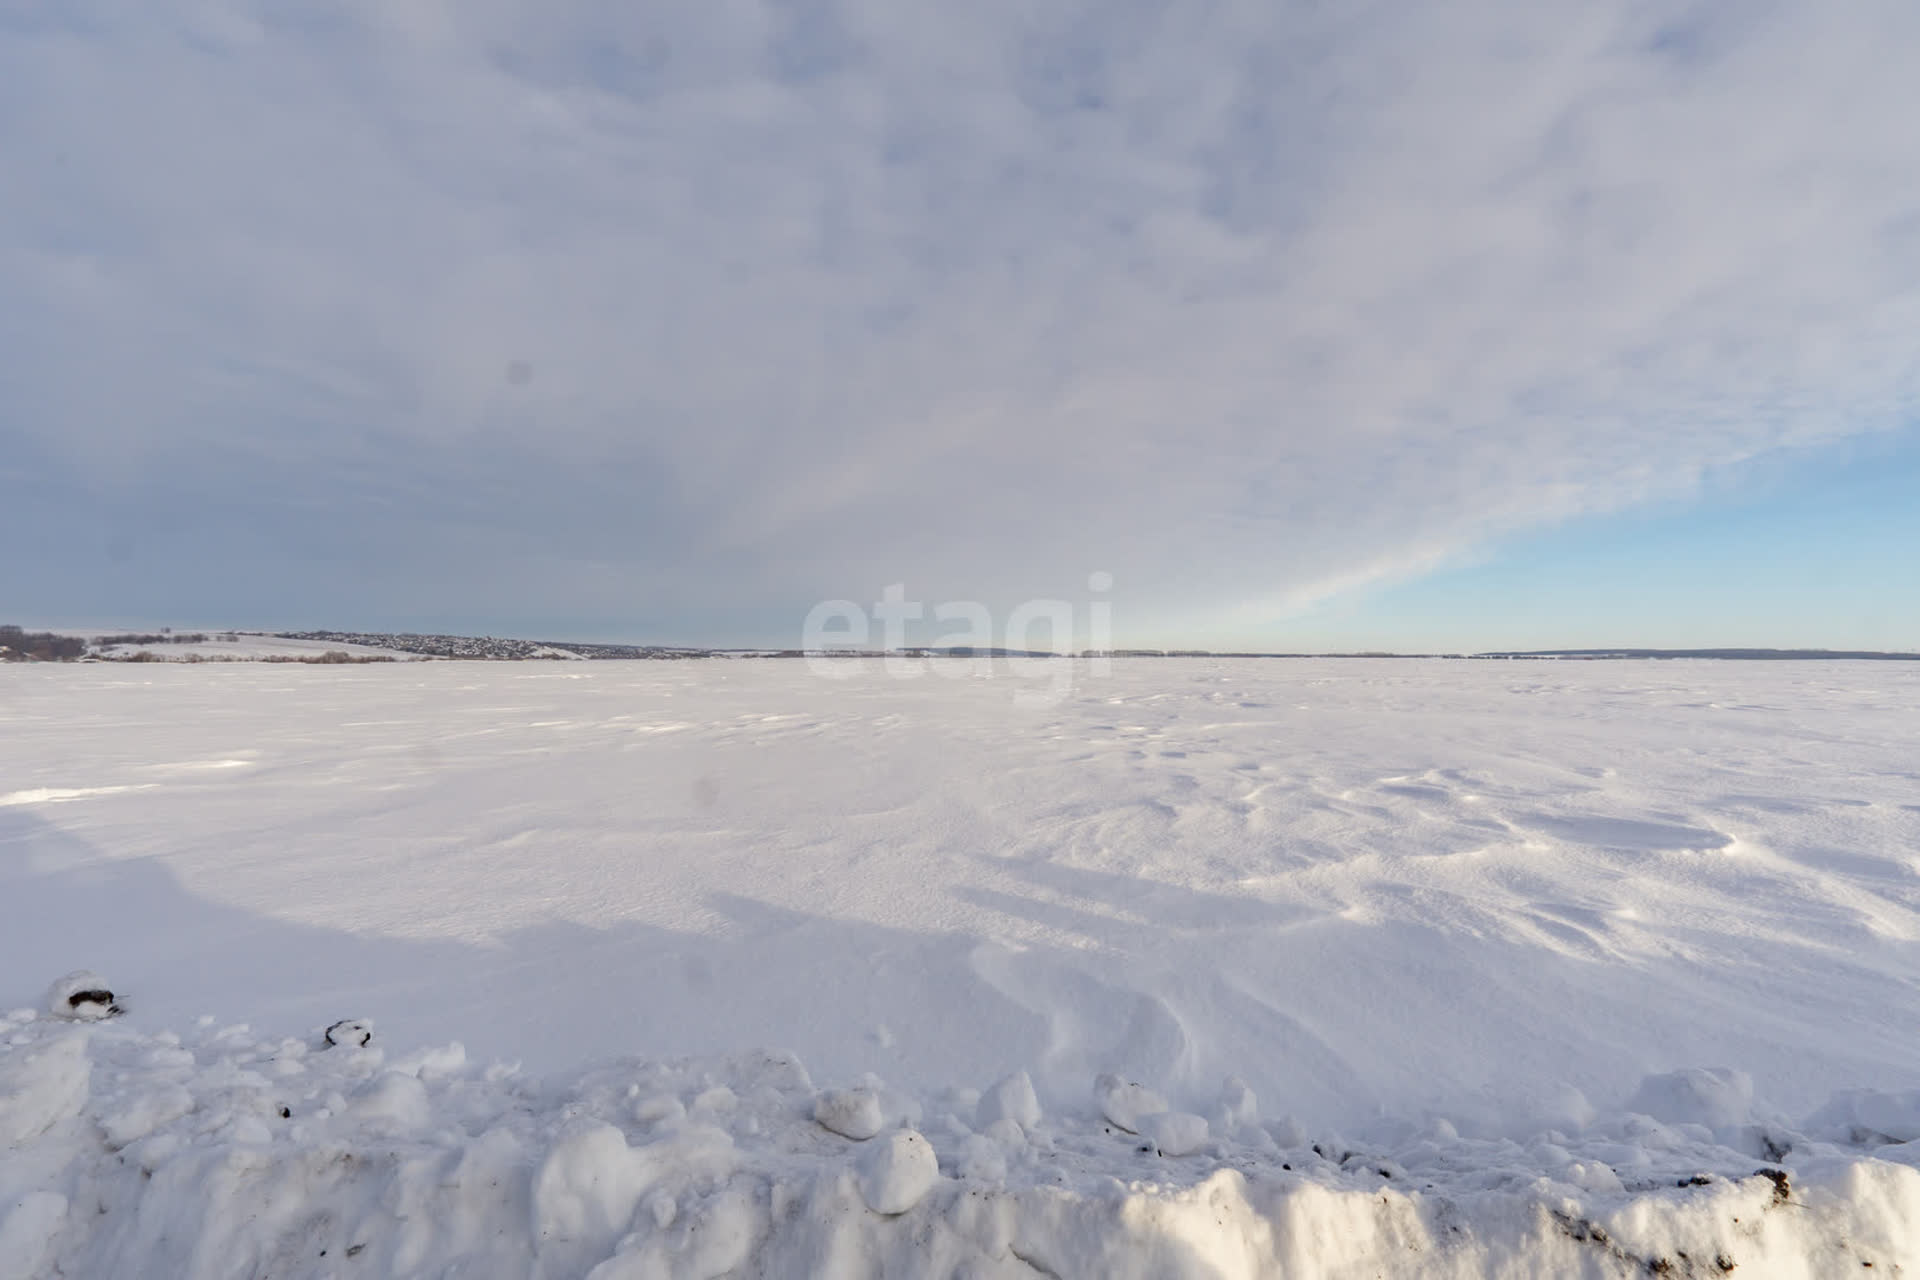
1404, 902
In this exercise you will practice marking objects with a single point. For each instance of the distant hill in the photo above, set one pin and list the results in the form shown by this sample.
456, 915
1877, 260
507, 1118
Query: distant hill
20, 645
490, 648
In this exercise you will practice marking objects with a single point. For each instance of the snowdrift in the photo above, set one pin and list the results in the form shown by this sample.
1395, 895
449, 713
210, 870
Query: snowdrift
221, 1154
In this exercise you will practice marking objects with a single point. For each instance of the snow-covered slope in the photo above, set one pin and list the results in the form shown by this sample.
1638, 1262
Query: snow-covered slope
1443, 919
251, 646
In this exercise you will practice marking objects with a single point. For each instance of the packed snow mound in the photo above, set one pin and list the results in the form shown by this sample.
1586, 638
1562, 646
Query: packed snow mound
221, 1153
41, 1085
1715, 1097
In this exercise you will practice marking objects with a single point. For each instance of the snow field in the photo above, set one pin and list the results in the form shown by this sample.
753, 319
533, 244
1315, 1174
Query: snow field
1215, 968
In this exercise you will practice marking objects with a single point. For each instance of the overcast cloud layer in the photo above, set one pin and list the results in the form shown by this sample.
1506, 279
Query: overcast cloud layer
683, 316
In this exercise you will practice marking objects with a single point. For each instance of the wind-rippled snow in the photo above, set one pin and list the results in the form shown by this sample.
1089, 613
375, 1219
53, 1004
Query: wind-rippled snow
1565, 935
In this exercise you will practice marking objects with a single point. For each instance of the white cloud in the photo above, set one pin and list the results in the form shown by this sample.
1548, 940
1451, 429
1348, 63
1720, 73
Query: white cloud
1236, 300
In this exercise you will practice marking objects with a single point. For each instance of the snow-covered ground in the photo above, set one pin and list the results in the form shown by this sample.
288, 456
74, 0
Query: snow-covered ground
248, 646
1545, 959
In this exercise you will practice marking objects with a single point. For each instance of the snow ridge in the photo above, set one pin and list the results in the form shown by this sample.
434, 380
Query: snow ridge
221, 1154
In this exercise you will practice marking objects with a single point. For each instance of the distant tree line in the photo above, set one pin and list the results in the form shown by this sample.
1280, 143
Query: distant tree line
331, 658
19, 645
185, 637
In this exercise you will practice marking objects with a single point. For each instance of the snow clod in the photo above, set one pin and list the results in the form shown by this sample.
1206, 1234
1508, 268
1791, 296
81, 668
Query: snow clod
1712, 1096
392, 1102
1238, 1105
982, 1160
896, 1172
1124, 1103
1174, 1133
353, 1033
659, 1109
1011, 1099
1008, 1134
851, 1113
83, 996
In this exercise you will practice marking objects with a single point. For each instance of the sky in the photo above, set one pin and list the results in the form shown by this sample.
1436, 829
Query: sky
1810, 550
1506, 323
